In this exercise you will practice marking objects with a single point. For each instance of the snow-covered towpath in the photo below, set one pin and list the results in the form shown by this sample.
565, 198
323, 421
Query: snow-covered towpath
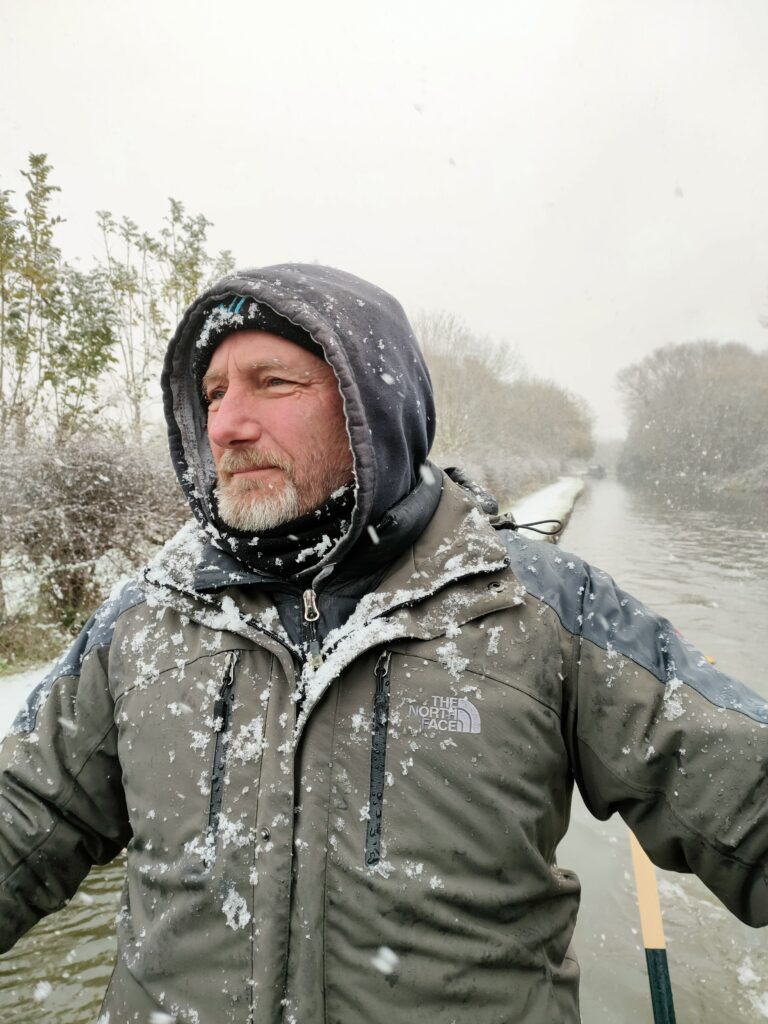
14, 690
554, 501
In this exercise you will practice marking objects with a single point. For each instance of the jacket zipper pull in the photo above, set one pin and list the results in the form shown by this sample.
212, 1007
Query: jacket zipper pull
222, 706
311, 615
381, 671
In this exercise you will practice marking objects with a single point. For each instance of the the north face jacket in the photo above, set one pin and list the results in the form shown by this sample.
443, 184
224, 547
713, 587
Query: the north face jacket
372, 837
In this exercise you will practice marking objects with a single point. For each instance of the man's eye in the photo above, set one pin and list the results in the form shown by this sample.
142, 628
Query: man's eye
273, 382
214, 395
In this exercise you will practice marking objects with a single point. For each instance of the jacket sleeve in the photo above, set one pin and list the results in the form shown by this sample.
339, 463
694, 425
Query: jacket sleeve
655, 732
658, 734
62, 807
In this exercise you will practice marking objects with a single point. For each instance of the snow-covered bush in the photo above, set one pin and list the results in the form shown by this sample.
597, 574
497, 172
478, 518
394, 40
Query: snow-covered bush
76, 516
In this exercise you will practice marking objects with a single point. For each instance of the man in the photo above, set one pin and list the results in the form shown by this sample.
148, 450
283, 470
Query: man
338, 719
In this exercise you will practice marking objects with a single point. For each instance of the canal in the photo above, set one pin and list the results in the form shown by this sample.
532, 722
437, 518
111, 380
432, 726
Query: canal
707, 570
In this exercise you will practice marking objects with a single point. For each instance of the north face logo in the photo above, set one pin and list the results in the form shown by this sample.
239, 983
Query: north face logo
447, 714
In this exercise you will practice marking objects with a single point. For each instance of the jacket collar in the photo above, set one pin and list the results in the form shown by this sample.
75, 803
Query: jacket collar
458, 545
453, 573
217, 569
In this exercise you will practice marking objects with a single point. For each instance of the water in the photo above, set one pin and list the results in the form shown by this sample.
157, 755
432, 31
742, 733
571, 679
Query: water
708, 571
73, 952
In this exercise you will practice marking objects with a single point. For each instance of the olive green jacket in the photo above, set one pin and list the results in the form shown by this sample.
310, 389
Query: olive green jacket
373, 839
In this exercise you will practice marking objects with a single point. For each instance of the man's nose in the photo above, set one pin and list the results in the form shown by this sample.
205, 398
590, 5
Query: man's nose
235, 421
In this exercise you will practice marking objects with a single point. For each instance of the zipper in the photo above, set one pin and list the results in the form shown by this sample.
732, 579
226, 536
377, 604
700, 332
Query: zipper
309, 629
378, 759
222, 719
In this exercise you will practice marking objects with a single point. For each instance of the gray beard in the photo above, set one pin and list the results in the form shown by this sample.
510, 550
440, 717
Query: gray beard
254, 509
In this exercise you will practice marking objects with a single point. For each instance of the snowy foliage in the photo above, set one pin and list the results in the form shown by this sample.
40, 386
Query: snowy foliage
74, 517
698, 419
482, 395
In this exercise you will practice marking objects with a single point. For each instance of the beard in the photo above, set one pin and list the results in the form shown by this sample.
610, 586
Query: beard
252, 506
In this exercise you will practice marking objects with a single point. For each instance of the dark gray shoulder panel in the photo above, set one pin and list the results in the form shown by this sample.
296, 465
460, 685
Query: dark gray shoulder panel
97, 632
549, 574
590, 604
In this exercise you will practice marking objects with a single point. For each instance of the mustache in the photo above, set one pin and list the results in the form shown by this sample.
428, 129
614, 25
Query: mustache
238, 461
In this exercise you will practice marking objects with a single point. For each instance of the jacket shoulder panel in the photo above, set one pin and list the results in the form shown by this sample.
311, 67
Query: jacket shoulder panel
97, 632
590, 605
549, 575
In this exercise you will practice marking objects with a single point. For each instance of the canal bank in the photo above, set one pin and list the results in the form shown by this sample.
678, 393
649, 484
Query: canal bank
555, 501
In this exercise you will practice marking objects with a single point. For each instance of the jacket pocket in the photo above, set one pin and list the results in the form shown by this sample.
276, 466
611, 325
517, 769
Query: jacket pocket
378, 760
222, 719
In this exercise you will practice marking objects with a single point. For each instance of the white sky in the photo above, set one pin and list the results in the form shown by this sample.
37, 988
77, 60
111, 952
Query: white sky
587, 180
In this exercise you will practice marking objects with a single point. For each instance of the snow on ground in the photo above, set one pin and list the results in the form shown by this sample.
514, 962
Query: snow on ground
13, 693
555, 501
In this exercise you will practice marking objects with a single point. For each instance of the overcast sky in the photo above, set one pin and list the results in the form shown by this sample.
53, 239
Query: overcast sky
586, 180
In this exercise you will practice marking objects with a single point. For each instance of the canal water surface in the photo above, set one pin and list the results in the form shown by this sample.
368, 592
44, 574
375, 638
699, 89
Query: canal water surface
707, 570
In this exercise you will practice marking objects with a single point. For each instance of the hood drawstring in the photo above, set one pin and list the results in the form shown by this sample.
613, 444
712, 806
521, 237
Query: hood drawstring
540, 522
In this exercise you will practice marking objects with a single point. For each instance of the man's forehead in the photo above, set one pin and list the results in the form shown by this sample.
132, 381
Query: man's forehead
248, 364
254, 350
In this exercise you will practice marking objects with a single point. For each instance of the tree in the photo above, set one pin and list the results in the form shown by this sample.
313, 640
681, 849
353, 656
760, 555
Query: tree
510, 431
79, 351
546, 419
79, 506
11, 308
467, 371
56, 326
29, 261
185, 263
135, 289
698, 416
151, 280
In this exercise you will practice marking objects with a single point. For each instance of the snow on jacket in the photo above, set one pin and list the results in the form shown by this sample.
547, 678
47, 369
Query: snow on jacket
414, 803
284, 822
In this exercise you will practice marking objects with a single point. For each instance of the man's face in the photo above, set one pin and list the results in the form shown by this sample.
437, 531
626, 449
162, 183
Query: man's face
277, 430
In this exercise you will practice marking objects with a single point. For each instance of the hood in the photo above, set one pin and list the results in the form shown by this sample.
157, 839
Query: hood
368, 342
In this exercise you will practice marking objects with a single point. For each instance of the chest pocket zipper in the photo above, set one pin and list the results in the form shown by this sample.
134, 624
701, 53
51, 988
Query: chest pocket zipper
222, 719
378, 760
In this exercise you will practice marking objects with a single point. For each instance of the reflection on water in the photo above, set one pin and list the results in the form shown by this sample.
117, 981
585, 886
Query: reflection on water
58, 972
707, 570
